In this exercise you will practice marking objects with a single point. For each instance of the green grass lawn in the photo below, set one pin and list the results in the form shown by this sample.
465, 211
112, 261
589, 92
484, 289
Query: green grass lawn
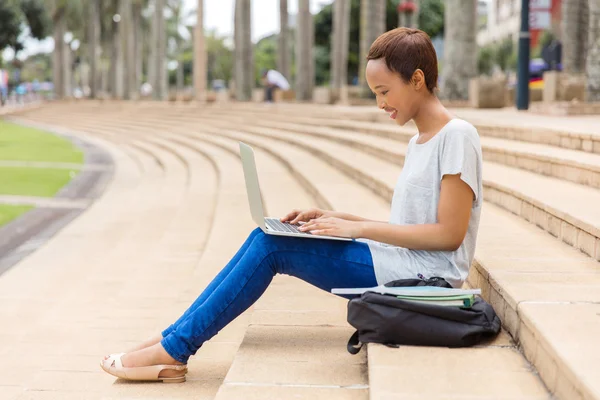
24, 181
19, 143
9, 212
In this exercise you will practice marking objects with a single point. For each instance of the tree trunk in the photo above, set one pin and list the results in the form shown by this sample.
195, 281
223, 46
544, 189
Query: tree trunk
244, 60
161, 68
116, 65
304, 52
67, 70
372, 24
200, 62
94, 40
593, 54
58, 67
138, 47
575, 25
127, 41
180, 77
153, 57
283, 53
340, 42
460, 52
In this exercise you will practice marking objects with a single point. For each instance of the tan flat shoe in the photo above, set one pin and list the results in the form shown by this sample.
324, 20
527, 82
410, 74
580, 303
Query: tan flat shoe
114, 366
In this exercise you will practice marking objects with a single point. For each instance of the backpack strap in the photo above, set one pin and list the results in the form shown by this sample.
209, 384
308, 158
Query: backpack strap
354, 345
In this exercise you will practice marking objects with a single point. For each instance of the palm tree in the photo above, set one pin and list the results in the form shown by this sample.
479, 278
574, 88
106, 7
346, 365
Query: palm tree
304, 52
593, 55
94, 41
128, 49
178, 34
66, 18
283, 60
372, 24
200, 56
340, 42
117, 64
575, 25
460, 52
161, 56
244, 58
137, 21
59, 69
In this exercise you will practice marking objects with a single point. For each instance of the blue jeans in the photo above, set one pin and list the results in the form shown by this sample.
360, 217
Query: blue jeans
325, 264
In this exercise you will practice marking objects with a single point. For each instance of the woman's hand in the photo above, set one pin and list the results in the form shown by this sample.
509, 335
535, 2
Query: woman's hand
332, 226
296, 216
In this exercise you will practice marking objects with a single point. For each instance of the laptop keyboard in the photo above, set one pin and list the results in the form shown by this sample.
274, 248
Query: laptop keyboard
279, 226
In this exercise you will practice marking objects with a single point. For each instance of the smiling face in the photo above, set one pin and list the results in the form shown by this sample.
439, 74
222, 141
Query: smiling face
398, 98
402, 71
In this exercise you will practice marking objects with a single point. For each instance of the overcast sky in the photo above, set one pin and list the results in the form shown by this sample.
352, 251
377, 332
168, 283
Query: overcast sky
218, 14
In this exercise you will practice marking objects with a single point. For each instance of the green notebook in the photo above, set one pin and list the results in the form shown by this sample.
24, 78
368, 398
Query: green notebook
464, 301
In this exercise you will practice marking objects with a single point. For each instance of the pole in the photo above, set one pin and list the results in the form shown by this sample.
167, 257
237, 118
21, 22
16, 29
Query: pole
523, 67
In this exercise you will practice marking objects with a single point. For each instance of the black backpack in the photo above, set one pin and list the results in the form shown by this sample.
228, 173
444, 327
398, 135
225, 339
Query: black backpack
385, 319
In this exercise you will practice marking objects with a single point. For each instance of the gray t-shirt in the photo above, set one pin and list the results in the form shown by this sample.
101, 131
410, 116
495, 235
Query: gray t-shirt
456, 149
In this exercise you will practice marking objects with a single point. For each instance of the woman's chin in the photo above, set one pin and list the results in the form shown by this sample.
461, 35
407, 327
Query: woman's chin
400, 121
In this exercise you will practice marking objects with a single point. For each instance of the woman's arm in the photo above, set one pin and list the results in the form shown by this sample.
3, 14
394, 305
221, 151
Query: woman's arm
350, 217
454, 211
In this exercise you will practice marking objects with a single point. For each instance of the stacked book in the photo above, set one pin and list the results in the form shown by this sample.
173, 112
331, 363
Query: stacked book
463, 298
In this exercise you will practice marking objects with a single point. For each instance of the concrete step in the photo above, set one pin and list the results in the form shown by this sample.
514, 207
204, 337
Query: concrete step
572, 165
532, 389
518, 268
273, 307
564, 209
574, 133
516, 287
211, 363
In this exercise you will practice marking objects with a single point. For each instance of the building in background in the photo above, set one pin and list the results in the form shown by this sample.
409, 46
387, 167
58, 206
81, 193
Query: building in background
504, 19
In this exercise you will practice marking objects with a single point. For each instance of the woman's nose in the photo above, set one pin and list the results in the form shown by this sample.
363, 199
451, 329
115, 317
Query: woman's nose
382, 105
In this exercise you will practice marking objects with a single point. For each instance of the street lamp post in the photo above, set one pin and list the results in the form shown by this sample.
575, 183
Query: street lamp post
523, 66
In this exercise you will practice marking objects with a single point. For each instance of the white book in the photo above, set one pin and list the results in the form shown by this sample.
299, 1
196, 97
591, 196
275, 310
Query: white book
408, 291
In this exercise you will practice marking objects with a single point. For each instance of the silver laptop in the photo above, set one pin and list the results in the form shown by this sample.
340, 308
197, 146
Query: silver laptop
270, 226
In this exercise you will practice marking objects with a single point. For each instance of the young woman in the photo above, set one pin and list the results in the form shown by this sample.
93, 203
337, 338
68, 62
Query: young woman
432, 229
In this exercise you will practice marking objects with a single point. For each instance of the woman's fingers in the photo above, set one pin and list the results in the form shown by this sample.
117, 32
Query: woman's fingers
293, 214
297, 218
314, 225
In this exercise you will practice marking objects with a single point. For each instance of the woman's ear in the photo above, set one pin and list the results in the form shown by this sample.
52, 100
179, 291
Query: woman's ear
418, 79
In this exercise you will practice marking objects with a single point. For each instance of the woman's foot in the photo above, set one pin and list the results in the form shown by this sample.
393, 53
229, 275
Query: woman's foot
152, 355
151, 341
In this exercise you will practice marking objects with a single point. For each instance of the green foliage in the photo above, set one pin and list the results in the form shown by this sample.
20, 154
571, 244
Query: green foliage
485, 60
506, 54
265, 55
15, 15
37, 18
431, 17
502, 54
219, 60
10, 24
431, 20
37, 67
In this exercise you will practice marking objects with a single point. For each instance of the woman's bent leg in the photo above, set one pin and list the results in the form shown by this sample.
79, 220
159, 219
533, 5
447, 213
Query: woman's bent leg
215, 282
323, 263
